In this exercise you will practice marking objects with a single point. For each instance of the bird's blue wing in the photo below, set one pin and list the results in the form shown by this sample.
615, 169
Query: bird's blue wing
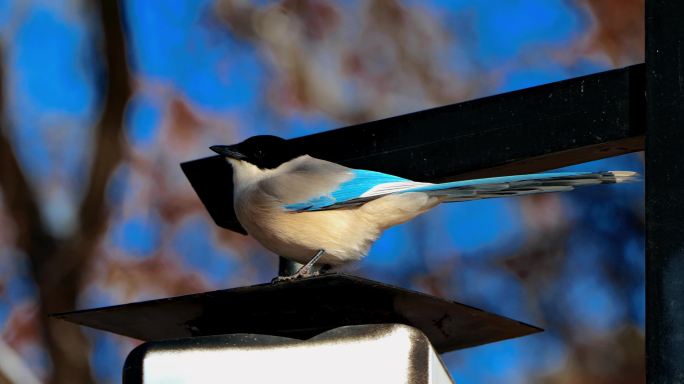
362, 186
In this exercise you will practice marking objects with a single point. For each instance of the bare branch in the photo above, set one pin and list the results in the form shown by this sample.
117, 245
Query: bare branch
108, 143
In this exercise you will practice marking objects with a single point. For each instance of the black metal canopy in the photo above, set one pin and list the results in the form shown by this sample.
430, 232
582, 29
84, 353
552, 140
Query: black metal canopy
302, 309
530, 130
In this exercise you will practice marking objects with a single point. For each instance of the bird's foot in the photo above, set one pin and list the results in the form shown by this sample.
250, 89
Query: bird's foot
298, 275
303, 272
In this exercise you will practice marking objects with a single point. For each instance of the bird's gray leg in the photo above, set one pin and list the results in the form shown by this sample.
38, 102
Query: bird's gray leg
304, 271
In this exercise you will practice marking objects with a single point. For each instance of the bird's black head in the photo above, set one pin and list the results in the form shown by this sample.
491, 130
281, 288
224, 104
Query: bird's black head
266, 152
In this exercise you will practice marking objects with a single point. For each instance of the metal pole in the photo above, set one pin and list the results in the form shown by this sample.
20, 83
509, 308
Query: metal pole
665, 191
287, 267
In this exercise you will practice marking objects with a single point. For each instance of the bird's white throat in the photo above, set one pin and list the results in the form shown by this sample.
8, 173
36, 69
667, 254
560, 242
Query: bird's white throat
245, 174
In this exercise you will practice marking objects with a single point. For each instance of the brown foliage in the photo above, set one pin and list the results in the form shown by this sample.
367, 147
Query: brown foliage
617, 357
23, 326
132, 278
354, 65
618, 30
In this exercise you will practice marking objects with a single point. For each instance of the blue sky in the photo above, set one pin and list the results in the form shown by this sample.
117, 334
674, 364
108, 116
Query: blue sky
54, 100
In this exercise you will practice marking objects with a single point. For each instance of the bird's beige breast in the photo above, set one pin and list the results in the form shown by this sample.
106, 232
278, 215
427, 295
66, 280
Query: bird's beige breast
346, 235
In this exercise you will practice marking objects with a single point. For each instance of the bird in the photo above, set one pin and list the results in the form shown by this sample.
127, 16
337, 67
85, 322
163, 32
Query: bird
310, 210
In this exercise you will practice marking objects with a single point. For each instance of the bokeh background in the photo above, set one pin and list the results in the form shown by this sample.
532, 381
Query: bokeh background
101, 103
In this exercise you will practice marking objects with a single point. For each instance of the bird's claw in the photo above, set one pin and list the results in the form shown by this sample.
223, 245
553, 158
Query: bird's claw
296, 276
303, 272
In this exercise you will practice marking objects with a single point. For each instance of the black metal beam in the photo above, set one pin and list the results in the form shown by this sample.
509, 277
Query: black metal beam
665, 191
530, 130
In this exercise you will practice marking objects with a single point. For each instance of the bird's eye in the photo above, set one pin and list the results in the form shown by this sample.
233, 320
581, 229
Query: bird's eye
259, 154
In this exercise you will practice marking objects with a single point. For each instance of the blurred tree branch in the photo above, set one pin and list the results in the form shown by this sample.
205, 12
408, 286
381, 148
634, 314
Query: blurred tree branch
59, 264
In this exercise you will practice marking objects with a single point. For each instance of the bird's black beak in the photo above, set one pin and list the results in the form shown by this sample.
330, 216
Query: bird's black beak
228, 151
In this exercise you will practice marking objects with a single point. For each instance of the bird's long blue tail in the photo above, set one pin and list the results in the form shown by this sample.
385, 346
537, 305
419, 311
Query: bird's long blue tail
522, 184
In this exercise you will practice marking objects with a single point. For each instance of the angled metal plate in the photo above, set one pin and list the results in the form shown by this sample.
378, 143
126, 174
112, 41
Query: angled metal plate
302, 309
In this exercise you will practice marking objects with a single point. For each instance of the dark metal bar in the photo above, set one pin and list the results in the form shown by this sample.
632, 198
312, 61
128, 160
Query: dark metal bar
665, 191
530, 130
